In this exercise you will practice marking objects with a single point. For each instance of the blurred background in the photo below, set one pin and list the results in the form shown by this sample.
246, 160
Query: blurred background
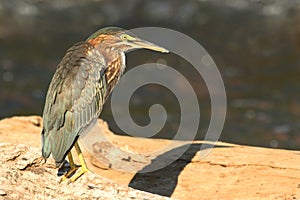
255, 44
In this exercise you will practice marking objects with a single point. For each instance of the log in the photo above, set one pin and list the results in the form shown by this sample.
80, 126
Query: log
229, 171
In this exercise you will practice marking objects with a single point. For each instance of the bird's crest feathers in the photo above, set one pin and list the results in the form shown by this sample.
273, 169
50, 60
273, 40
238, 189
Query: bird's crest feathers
107, 30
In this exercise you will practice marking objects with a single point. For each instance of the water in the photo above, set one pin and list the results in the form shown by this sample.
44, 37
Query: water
254, 44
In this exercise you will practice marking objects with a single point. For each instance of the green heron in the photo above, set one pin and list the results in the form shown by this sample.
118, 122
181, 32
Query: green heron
83, 80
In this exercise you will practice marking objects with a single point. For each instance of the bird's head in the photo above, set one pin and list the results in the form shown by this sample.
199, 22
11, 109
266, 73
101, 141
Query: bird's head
118, 39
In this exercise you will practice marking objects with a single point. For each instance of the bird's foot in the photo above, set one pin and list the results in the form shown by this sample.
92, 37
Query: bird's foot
72, 176
69, 173
77, 175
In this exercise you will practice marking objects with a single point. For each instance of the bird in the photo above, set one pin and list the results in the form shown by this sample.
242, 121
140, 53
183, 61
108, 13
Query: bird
82, 82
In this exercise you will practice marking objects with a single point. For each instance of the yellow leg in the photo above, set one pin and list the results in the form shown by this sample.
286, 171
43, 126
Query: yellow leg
84, 168
73, 168
71, 161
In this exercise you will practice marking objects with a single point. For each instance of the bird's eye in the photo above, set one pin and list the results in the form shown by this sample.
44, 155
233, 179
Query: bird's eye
124, 37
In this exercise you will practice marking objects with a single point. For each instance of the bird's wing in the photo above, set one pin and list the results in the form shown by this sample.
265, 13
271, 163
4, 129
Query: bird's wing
75, 98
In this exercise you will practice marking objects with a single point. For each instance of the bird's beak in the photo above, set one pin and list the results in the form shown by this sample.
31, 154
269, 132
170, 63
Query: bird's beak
143, 44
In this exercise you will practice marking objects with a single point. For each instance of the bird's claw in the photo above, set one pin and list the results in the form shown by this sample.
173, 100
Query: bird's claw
77, 175
72, 176
69, 174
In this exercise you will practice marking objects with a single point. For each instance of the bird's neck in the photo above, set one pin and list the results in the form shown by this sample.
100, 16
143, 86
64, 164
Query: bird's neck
115, 62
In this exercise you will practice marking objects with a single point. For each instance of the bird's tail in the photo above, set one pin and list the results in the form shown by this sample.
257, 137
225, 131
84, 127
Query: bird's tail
46, 148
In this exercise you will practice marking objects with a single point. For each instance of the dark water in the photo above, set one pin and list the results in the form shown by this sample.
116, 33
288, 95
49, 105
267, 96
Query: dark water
254, 44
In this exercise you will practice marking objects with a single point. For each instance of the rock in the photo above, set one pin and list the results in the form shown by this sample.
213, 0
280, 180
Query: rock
24, 175
228, 172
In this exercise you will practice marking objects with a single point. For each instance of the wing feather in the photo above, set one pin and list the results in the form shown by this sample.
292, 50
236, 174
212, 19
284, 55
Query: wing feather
75, 98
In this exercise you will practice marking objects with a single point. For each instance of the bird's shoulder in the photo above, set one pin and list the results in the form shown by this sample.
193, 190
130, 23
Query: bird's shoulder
82, 57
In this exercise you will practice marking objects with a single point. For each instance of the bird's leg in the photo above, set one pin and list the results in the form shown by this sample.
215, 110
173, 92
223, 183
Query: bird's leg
73, 168
84, 168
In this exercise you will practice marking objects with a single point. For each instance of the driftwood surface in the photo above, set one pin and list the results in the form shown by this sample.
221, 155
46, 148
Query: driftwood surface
228, 172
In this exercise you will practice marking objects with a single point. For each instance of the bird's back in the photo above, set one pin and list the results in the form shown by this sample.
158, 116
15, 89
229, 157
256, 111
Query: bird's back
74, 99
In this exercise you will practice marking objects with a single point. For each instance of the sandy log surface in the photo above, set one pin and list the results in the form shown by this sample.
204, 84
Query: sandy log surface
228, 172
